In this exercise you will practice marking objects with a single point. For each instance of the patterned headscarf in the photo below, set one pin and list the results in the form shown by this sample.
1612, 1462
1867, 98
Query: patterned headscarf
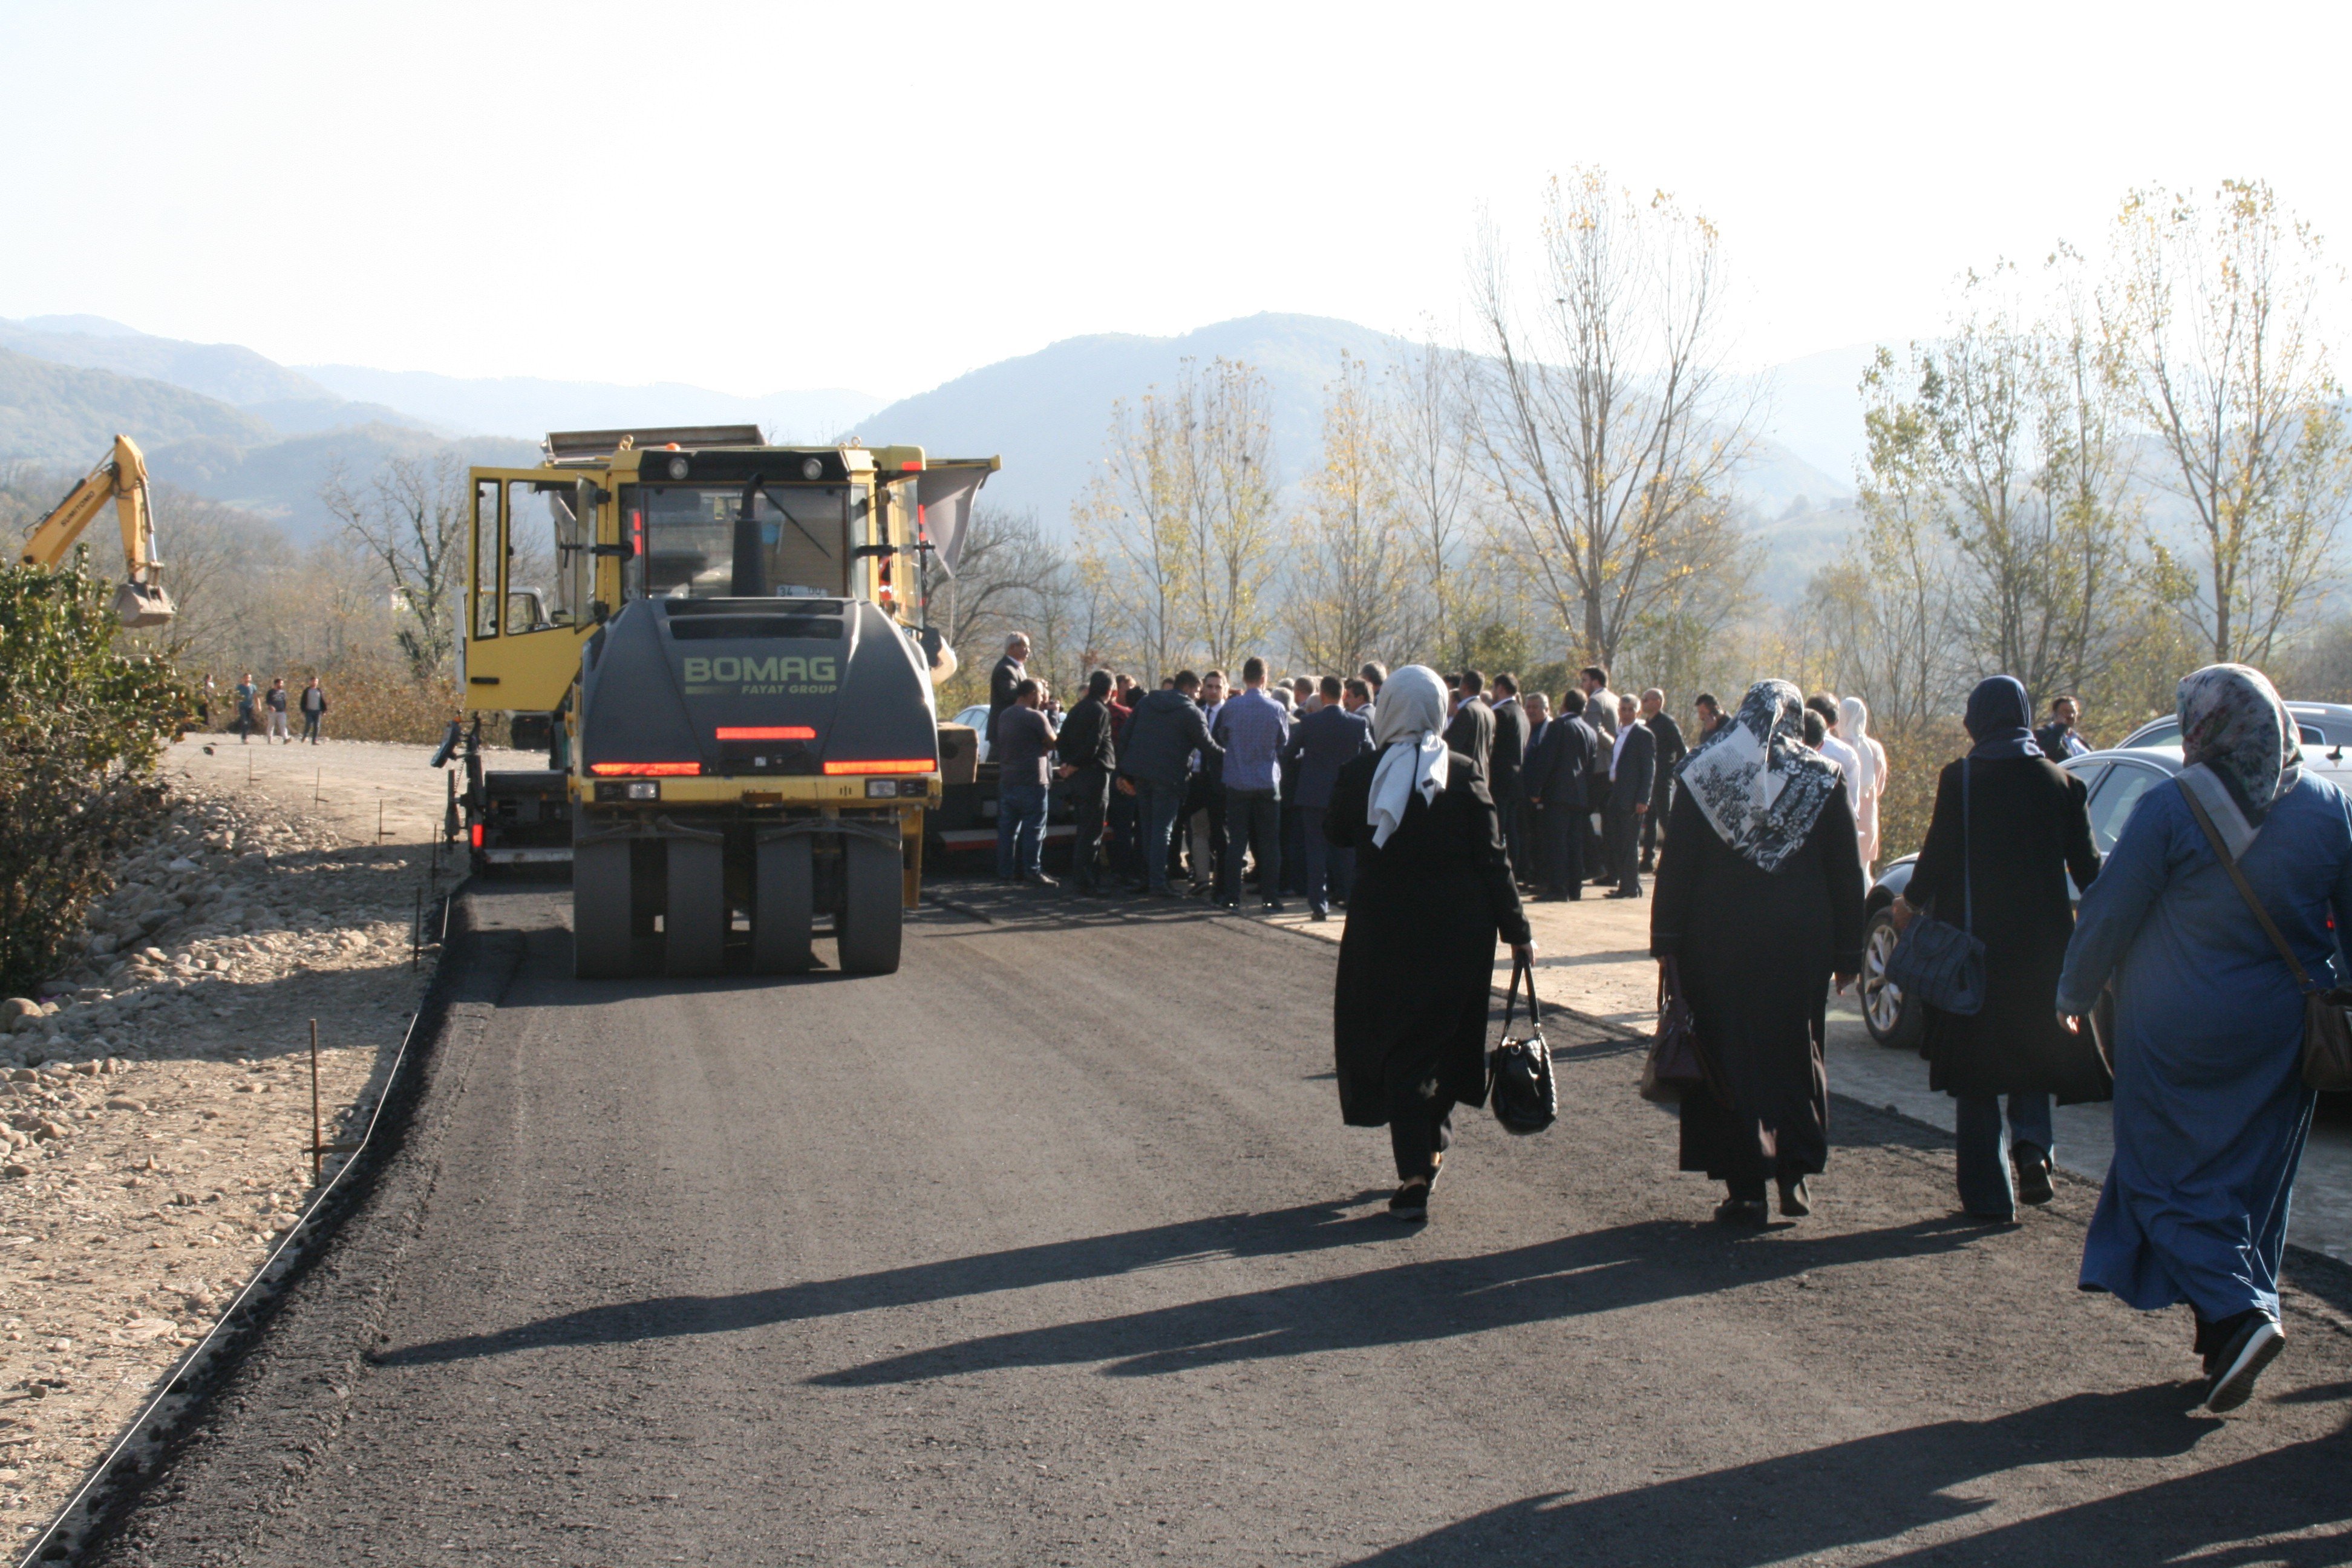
1758, 784
2237, 735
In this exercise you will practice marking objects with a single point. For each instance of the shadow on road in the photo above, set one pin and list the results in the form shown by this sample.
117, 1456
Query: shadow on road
1307, 1229
1848, 1494
1600, 1271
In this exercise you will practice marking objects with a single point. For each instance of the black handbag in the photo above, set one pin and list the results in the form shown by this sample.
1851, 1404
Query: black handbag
1941, 964
1518, 1071
1677, 1062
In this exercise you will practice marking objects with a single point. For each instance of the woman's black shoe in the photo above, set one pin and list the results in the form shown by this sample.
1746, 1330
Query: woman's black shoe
2241, 1361
1410, 1200
2033, 1166
1747, 1213
1796, 1202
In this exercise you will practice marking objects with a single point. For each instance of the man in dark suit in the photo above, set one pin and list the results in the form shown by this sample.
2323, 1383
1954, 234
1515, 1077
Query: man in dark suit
1472, 730
1554, 780
1671, 751
1010, 671
1503, 760
1321, 744
1632, 773
1089, 757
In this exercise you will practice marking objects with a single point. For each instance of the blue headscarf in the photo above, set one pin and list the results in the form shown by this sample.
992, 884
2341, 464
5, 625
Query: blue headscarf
1997, 720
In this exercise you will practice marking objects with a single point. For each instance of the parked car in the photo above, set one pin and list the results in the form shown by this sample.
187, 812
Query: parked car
2118, 780
2324, 728
976, 717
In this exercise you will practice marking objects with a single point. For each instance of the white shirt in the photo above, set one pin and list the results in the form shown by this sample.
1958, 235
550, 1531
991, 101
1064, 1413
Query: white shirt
1845, 757
1618, 751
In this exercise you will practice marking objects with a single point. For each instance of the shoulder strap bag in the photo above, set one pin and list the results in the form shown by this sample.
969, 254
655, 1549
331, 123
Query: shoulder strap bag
1519, 1070
1677, 1063
1941, 964
2327, 1033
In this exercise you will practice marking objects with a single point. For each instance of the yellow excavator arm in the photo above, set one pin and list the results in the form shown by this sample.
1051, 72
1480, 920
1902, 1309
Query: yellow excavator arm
120, 477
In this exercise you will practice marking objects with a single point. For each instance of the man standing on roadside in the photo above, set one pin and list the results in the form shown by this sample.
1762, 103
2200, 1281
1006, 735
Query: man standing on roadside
1471, 732
1008, 674
1711, 715
1507, 755
249, 703
1556, 782
1671, 751
1600, 702
1321, 744
1204, 806
1372, 675
274, 702
2057, 738
1162, 737
1088, 758
314, 709
1024, 741
1632, 773
1252, 727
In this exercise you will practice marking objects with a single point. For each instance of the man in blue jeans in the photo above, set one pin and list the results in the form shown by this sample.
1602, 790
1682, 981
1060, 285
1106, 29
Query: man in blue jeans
1023, 748
1153, 763
1252, 728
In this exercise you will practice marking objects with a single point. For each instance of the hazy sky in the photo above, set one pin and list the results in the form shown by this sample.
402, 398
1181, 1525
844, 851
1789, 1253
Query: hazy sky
756, 197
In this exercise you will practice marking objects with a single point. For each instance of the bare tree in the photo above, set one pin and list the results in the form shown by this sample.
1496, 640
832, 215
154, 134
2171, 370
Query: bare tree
1134, 532
1609, 429
1349, 597
2215, 308
1429, 446
1230, 459
411, 517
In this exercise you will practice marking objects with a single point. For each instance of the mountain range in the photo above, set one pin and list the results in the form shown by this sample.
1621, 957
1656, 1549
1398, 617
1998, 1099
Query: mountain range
231, 424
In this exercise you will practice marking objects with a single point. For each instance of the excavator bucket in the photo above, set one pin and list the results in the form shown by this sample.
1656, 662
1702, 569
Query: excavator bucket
140, 604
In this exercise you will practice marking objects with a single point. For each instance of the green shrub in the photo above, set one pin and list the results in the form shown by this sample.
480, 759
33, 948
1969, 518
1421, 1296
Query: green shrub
82, 722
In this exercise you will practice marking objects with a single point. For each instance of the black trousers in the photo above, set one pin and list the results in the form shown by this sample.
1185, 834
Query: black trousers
1512, 809
1420, 1129
1653, 826
1253, 822
1624, 847
1563, 829
1090, 801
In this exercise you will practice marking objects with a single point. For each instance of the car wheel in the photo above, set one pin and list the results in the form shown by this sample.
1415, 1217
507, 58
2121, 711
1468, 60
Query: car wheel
1891, 1018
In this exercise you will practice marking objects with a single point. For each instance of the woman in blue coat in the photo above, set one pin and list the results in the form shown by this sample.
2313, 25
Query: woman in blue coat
2210, 1110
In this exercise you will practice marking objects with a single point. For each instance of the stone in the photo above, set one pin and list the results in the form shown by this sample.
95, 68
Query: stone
17, 1007
183, 864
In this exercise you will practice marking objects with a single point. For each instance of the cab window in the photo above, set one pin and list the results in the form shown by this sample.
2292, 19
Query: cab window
700, 544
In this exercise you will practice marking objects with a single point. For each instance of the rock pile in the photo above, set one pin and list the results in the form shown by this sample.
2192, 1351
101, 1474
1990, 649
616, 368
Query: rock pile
155, 1106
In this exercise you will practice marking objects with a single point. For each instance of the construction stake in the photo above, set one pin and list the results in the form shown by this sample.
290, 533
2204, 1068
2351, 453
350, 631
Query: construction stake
317, 1130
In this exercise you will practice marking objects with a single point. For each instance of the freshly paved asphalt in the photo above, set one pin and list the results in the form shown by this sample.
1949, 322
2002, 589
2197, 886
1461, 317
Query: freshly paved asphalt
1051, 1248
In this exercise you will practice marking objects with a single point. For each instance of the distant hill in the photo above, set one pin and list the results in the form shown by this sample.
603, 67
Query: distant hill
528, 407
53, 412
1047, 414
225, 371
281, 480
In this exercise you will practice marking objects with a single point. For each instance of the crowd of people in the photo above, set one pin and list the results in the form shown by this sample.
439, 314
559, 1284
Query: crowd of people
256, 710
1435, 806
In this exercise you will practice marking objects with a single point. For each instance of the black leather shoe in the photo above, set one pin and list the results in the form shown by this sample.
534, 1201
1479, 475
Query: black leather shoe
1746, 1214
1796, 1199
2032, 1168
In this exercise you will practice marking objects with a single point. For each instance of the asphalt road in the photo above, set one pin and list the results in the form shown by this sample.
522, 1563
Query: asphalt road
1051, 1249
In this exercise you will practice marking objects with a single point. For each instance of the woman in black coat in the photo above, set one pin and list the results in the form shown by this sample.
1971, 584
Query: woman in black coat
1417, 960
1759, 903
2028, 826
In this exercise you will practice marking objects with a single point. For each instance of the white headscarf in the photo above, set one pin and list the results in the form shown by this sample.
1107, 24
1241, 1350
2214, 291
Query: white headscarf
1853, 725
1758, 784
1408, 722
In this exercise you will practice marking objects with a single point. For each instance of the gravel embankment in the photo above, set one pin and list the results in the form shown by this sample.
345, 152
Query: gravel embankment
157, 1113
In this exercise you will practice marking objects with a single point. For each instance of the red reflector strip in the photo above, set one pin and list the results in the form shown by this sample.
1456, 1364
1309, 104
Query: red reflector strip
900, 765
766, 732
645, 770
478, 836
911, 466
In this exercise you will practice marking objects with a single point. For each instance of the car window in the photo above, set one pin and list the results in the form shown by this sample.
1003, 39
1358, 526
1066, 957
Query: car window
2089, 773
2112, 802
2167, 734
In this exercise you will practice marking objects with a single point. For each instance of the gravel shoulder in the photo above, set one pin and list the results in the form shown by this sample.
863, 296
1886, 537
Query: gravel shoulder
157, 1113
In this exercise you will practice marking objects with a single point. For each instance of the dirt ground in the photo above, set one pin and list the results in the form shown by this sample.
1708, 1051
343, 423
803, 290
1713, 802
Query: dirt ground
158, 1114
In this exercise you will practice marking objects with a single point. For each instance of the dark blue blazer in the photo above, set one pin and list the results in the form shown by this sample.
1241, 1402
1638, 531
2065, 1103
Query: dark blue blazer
1320, 745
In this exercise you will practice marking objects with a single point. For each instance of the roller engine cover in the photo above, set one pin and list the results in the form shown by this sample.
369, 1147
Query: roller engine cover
664, 676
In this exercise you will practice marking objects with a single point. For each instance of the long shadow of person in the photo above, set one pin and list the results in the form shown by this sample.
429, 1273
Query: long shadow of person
1875, 1489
